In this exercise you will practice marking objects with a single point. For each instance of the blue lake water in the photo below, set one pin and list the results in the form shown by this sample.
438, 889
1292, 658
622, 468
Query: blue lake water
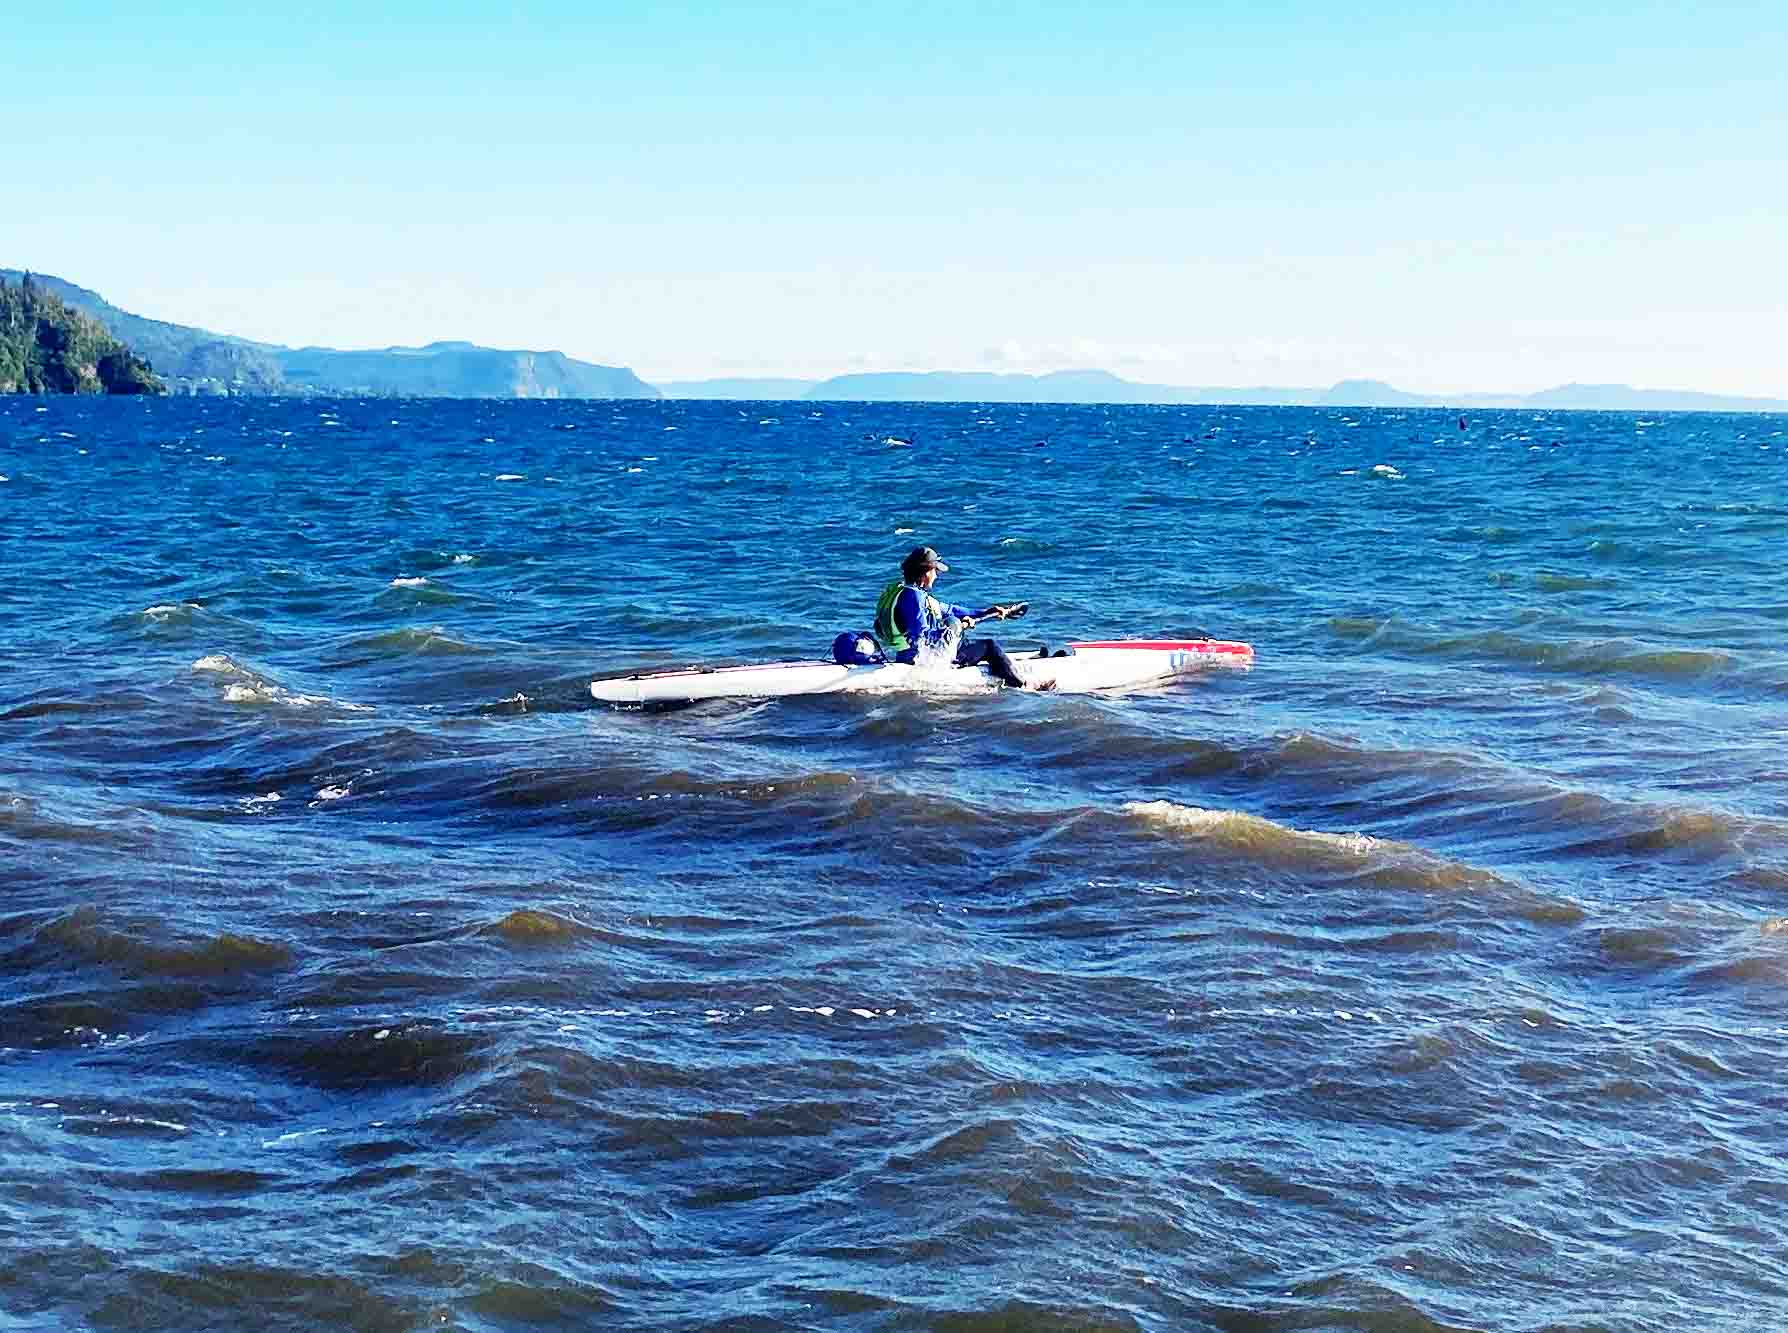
357, 971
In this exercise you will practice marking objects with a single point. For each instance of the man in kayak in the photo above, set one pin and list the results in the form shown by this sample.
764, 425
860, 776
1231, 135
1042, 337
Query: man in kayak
907, 617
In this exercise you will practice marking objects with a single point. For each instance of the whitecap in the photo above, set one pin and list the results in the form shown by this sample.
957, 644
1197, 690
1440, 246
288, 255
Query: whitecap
463, 559
510, 476
903, 532
416, 581
332, 793
1386, 471
292, 1137
249, 688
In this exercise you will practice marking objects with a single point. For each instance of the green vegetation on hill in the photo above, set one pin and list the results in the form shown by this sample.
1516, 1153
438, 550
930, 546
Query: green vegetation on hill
47, 347
195, 360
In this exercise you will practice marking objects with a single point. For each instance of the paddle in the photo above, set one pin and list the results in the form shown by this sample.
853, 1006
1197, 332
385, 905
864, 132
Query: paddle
1002, 611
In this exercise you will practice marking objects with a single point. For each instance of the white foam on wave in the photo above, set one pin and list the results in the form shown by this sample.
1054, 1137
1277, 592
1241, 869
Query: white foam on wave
510, 476
1386, 471
409, 581
464, 559
1237, 829
248, 687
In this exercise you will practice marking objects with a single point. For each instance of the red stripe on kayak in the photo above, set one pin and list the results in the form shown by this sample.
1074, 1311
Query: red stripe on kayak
1175, 645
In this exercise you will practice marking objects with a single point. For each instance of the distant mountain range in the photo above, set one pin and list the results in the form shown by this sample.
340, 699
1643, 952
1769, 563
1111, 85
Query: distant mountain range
193, 360
1098, 386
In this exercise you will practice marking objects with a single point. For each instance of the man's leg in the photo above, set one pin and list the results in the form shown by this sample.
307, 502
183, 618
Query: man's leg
975, 651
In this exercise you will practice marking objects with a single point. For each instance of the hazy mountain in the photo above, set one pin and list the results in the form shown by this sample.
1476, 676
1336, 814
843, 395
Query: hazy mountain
196, 360
456, 370
1622, 398
1098, 386
970, 386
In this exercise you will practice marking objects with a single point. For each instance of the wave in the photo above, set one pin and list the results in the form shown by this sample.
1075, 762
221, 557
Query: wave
244, 685
417, 590
416, 1053
23, 819
1380, 861
528, 788
174, 620
405, 642
535, 927
1591, 657
85, 935
1548, 816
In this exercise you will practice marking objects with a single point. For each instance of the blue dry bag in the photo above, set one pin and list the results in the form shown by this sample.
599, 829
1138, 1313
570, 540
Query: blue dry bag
857, 649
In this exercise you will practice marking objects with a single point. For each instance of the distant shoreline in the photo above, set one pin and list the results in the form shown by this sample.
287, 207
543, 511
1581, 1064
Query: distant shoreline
197, 361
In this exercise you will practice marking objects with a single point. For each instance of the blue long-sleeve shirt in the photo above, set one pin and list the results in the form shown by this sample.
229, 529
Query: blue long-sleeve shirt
924, 620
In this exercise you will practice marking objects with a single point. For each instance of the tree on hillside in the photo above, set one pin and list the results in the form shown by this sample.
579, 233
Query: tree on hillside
47, 347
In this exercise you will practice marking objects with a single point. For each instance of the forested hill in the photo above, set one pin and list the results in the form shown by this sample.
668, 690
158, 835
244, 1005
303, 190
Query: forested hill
46, 346
197, 360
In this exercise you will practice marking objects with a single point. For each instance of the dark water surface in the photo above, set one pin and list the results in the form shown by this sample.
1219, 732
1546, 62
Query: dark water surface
356, 972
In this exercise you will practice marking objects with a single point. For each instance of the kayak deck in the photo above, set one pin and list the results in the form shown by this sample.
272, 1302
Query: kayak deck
1101, 665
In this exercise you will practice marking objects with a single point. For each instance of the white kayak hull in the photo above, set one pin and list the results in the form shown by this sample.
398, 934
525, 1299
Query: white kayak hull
1119, 664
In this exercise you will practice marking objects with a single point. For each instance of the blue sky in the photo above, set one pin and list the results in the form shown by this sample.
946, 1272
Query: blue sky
1448, 196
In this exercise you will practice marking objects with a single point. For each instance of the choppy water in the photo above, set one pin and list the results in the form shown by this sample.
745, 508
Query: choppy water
356, 972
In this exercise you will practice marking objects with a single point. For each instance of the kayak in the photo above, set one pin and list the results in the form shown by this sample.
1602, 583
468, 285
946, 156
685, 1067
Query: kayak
1083, 668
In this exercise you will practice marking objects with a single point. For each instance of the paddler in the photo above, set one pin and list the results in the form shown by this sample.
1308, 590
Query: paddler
907, 616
